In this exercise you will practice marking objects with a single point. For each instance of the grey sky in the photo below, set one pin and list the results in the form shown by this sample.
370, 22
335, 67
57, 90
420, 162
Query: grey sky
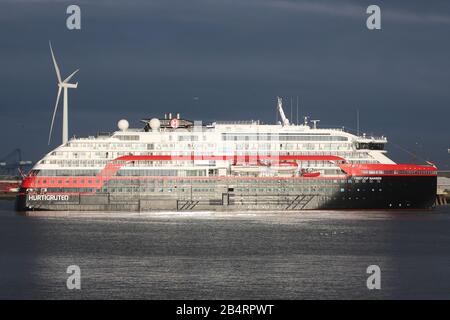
143, 58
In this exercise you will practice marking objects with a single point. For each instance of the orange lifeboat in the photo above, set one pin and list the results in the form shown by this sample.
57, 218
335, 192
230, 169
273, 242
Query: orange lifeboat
309, 174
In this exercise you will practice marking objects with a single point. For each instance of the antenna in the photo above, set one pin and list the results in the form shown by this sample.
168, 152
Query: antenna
276, 112
297, 111
276, 116
291, 109
357, 122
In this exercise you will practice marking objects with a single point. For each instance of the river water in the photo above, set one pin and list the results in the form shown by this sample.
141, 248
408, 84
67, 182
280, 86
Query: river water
311, 255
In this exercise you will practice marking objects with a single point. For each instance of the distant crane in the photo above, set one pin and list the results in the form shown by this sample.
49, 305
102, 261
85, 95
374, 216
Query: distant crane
12, 164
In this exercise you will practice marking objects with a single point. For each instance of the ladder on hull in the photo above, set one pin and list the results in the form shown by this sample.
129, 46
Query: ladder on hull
299, 202
186, 204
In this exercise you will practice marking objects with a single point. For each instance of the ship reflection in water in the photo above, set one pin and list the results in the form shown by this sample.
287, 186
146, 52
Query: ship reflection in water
321, 254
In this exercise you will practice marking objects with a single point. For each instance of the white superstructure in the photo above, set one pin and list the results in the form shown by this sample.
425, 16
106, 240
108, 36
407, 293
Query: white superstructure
88, 156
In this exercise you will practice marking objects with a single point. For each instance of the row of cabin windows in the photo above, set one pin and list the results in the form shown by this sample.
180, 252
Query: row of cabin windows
201, 190
370, 146
126, 172
51, 181
279, 137
72, 190
206, 181
399, 172
255, 183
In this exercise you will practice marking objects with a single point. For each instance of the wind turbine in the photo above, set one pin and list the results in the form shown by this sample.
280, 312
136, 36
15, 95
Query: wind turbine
62, 85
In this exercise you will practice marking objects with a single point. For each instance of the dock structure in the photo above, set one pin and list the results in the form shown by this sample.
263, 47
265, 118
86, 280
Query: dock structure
443, 188
12, 166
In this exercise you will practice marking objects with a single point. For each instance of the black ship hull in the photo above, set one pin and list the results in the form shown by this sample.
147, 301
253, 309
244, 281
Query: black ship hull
350, 193
393, 192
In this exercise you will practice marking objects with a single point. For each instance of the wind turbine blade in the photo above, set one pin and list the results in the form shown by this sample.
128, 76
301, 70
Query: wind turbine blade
58, 74
70, 77
54, 113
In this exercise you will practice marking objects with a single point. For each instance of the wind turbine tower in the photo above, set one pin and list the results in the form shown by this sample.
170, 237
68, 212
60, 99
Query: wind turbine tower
62, 84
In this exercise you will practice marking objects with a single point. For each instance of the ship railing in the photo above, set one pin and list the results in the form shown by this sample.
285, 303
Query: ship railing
238, 122
371, 138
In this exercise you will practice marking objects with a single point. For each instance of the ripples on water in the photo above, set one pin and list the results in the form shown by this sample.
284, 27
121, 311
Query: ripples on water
320, 254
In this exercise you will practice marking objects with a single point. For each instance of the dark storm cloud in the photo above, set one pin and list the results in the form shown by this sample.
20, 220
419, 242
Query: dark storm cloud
144, 58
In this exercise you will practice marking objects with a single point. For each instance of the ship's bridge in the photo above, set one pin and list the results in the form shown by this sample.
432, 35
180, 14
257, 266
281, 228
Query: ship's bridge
370, 143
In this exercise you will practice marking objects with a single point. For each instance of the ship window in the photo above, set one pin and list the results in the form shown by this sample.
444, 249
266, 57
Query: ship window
370, 146
128, 137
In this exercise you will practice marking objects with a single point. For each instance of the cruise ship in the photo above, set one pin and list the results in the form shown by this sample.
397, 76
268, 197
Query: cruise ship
172, 163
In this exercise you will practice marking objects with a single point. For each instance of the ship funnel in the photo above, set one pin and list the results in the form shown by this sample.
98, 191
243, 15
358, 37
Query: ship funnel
315, 123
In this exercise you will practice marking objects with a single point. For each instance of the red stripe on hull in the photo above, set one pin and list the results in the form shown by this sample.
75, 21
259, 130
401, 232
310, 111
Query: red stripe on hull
115, 165
359, 169
74, 182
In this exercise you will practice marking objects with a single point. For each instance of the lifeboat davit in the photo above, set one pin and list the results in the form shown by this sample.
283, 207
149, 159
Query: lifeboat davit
284, 166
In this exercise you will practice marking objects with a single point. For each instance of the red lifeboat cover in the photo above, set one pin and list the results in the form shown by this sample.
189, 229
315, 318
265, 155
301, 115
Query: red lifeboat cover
311, 174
